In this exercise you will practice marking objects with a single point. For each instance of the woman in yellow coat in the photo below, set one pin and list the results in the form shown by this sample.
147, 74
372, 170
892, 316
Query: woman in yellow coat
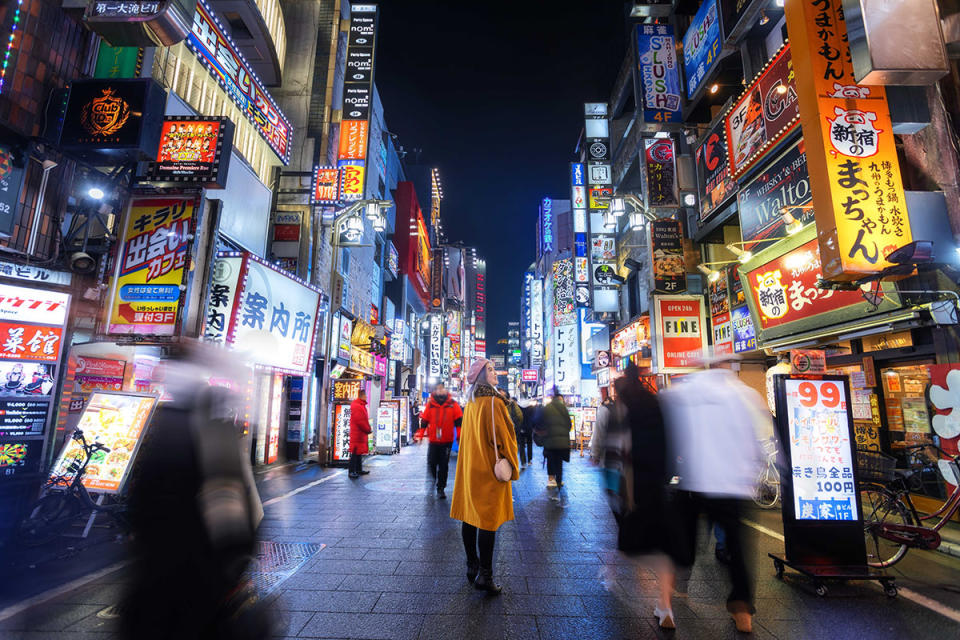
480, 501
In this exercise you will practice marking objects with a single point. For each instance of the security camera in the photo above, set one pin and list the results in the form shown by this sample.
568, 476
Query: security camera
82, 263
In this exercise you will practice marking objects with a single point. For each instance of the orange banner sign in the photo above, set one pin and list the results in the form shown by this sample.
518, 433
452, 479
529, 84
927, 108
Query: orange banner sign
858, 197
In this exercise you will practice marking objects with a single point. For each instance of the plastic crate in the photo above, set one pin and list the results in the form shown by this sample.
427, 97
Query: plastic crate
875, 466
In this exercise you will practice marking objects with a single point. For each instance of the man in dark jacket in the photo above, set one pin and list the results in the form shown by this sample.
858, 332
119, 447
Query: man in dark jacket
556, 442
440, 418
359, 433
524, 428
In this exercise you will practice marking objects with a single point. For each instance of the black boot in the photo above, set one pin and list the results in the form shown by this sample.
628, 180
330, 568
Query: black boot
485, 582
440, 494
473, 566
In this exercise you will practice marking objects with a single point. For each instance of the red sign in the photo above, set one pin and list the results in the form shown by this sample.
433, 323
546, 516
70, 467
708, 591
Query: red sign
326, 185
766, 112
722, 335
100, 367
785, 289
29, 342
189, 141
682, 333
529, 375
286, 232
353, 140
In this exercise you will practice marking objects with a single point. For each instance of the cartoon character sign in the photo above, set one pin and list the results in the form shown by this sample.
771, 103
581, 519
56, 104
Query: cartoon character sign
849, 91
771, 294
853, 133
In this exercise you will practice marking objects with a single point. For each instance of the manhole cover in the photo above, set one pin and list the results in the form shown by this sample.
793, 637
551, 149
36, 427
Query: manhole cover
277, 561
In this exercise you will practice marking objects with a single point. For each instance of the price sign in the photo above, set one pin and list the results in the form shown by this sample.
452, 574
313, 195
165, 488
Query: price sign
821, 450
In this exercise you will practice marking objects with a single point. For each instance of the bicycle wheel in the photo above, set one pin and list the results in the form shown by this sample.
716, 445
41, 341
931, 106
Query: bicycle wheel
767, 492
880, 506
46, 519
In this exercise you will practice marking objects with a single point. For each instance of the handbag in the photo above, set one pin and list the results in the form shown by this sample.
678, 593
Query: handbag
501, 468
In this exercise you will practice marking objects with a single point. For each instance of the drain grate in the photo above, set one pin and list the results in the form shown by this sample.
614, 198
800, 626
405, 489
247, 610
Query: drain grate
277, 561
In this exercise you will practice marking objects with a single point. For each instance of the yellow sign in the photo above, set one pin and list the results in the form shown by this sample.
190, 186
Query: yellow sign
858, 198
152, 261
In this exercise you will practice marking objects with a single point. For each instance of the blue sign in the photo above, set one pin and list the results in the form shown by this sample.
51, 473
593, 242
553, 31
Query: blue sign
701, 45
576, 174
150, 292
546, 220
580, 245
744, 337
659, 72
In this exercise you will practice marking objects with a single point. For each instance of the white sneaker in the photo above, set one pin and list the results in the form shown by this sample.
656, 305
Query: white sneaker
665, 618
551, 483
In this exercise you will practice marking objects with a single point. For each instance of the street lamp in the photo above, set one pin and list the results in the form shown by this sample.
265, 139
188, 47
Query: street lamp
351, 217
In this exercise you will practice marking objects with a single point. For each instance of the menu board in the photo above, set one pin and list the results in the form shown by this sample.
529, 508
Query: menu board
821, 450
22, 417
386, 425
118, 421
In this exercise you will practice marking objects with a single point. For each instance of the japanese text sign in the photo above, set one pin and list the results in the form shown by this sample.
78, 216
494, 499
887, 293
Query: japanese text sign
669, 268
744, 337
274, 317
352, 179
765, 113
661, 172
785, 289
228, 67
701, 45
35, 274
713, 171
220, 298
681, 327
821, 450
23, 304
326, 185
27, 342
152, 264
564, 311
659, 72
857, 190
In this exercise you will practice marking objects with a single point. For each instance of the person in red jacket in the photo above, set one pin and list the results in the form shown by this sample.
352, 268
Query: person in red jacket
441, 418
359, 431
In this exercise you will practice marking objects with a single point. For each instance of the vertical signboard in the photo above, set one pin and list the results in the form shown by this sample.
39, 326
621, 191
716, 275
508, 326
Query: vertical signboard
581, 259
720, 316
326, 186
357, 101
660, 169
681, 333
536, 322
546, 225
220, 298
566, 360
564, 311
858, 193
32, 326
152, 265
602, 255
659, 72
701, 45
666, 245
713, 171
436, 347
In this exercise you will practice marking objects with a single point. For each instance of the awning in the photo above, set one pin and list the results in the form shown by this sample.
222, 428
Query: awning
935, 313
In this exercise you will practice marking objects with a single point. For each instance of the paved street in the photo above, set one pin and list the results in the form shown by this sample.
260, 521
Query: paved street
392, 568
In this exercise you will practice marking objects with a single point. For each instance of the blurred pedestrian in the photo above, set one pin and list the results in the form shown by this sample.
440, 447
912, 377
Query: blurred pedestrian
556, 442
193, 511
480, 499
647, 525
360, 431
604, 417
440, 419
525, 434
711, 420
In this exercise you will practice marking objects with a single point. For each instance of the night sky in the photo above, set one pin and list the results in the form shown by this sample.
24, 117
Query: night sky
492, 93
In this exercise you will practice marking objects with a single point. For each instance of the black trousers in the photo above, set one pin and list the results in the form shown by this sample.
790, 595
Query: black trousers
486, 539
438, 462
355, 465
554, 464
525, 447
726, 513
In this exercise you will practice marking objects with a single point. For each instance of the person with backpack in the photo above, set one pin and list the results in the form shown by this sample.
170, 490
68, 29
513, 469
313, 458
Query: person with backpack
556, 438
440, 420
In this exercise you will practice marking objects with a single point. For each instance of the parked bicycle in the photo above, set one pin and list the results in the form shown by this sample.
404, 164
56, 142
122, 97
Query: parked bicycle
767, 491
64, 498
891, 523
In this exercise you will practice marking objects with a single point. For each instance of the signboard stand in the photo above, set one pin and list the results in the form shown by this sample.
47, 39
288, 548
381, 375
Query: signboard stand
822, 523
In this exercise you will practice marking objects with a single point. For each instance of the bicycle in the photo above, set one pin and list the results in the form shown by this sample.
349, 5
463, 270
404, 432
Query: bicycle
891, 523
64, 498
767, 491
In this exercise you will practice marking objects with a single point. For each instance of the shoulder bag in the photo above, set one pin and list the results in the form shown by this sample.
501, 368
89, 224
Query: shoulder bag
501, 468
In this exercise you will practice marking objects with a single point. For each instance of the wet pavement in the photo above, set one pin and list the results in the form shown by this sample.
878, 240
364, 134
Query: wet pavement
391, 566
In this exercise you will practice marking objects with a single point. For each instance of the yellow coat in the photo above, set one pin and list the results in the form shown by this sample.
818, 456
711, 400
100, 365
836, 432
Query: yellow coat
478, 497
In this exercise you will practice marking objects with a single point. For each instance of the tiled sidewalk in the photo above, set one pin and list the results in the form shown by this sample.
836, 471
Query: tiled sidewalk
393, 565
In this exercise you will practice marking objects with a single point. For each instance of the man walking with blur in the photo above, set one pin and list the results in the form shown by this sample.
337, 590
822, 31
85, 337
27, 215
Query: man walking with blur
360, 431
440, 418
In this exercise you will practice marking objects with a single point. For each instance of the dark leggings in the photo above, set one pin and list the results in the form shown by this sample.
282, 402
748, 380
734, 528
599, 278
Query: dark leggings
471, 536
555, 464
